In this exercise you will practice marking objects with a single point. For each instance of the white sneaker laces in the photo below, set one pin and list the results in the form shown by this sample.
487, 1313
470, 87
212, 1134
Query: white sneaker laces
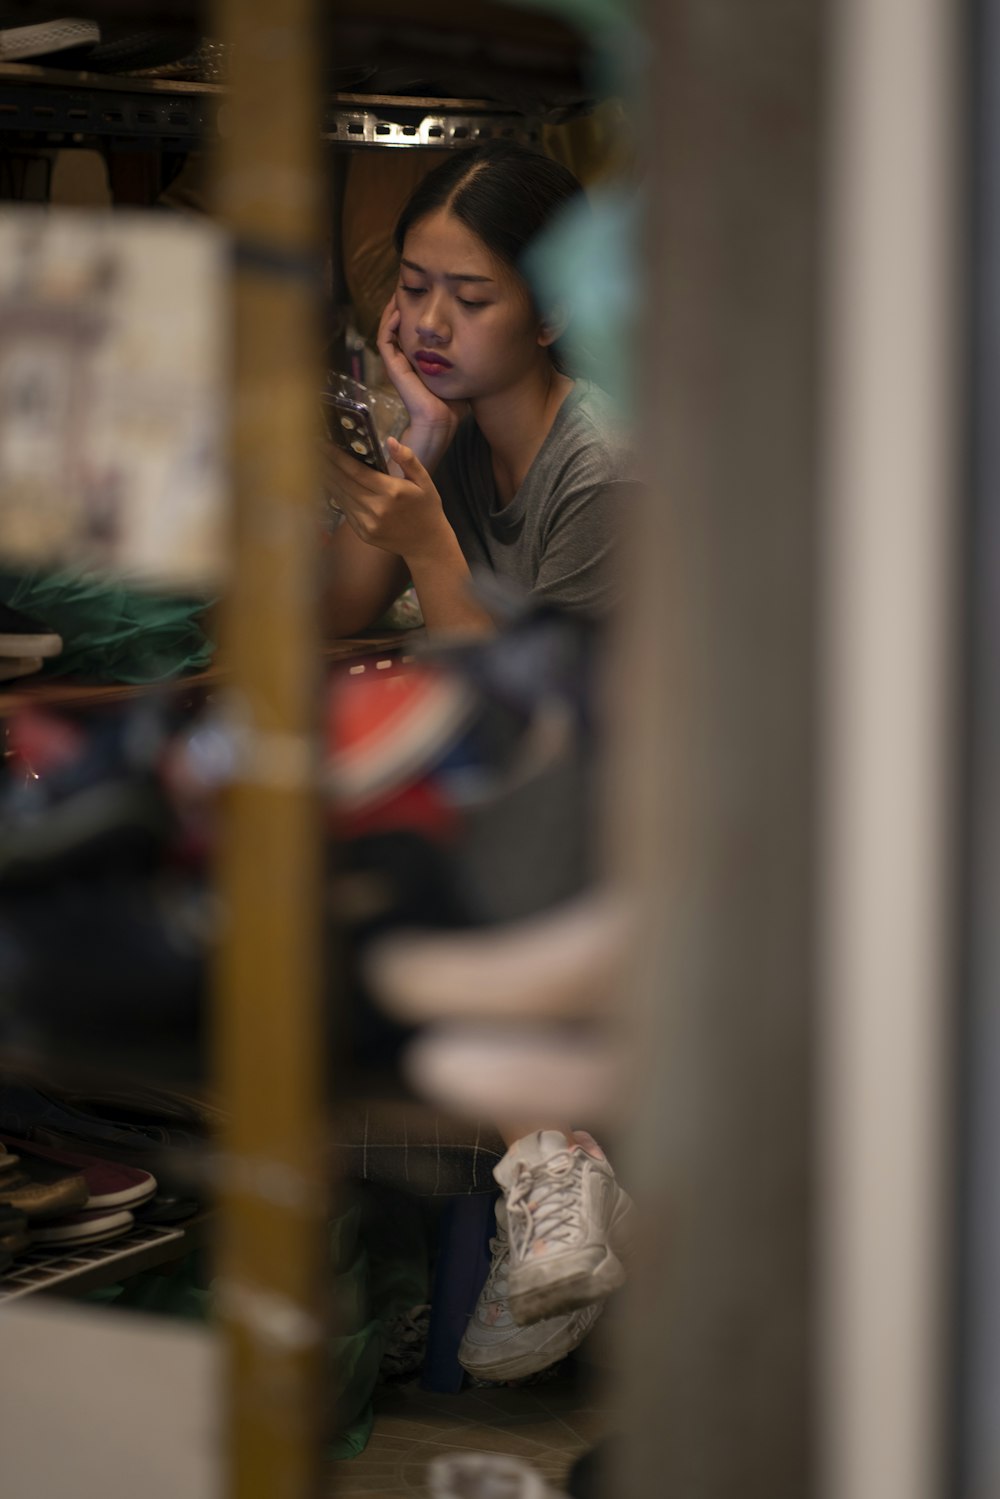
545, 1203
495, 1287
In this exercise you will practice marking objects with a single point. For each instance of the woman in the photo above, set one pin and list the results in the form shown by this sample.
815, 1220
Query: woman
510, 464
507, 463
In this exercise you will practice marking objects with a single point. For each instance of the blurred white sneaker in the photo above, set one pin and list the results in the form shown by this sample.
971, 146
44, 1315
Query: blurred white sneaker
565, 1212
488, 1071
566, 962
497, 1347
483, 1475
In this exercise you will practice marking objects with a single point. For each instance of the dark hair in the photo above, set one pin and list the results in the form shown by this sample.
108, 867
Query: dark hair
505, 193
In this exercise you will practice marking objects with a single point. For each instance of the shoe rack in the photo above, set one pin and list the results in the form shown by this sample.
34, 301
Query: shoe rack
78, 1272
739, 641
268, 124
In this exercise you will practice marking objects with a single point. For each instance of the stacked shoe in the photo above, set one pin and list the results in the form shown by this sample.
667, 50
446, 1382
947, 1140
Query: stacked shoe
86, 836
44, 1189
28, 1114
109, 1184
24, 643
82, 1229
81, 797
72, 1198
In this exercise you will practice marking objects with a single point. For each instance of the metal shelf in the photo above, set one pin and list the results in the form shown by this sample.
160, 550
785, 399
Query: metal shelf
74, 1272
47, 107
74, 114
439, 127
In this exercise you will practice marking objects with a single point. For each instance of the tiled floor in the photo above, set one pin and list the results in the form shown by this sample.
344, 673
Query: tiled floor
547, 1425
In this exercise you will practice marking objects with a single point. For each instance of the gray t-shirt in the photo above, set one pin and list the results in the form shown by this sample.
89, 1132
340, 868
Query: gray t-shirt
558, 536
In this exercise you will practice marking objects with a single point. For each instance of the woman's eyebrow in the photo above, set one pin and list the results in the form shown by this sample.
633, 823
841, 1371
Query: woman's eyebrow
411, 265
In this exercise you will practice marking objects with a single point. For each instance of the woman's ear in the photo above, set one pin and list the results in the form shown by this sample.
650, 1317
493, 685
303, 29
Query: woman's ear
553, 326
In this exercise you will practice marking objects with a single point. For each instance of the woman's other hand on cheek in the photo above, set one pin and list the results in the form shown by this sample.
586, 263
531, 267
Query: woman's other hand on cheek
432, 420
399, 512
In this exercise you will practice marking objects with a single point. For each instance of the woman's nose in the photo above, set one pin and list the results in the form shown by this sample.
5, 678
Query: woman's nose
432, 322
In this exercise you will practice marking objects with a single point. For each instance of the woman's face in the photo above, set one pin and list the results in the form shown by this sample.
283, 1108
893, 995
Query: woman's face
466, 320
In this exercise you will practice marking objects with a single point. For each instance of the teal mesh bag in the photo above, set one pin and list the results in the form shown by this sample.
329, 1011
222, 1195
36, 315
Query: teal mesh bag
112, 633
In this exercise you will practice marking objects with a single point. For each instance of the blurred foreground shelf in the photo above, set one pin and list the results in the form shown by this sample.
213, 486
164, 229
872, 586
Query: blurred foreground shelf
69, 692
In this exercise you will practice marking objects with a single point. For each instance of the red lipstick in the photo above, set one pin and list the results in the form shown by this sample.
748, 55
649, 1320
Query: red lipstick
430, 363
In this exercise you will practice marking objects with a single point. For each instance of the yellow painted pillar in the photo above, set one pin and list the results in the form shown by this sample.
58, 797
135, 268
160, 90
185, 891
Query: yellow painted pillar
269, 1052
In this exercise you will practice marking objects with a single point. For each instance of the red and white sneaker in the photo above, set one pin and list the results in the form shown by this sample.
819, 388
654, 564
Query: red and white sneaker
385, 732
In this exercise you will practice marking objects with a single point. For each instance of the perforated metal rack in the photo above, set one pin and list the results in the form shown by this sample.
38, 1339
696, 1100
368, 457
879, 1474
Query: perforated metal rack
52, 106
385, 121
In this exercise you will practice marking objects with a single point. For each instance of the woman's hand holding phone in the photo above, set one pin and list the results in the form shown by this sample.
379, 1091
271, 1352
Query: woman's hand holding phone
402, 513
399, 512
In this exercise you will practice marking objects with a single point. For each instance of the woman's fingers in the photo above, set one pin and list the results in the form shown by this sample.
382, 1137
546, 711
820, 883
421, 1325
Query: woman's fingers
386, 336
350, 473
408, 461
398, 512
388, 325
389, 311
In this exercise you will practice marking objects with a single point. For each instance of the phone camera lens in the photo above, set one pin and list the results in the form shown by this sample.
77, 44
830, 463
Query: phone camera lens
348, 422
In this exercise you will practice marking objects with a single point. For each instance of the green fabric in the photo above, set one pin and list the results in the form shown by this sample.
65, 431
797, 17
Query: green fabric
179, 1293
390, 1245
112, 633
377, 1258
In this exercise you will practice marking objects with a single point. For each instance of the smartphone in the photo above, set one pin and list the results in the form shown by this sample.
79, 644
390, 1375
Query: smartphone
350, 424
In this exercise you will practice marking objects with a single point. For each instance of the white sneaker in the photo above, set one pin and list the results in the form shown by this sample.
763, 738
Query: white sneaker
497, 1347
564, 1211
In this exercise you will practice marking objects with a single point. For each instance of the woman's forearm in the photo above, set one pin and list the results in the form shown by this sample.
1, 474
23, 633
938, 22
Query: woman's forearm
357, 584
443, 585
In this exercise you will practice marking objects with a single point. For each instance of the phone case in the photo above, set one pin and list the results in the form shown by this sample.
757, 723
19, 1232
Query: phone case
351, 423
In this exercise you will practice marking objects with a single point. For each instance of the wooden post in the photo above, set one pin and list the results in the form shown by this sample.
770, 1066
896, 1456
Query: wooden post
269, 1052
714, 770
